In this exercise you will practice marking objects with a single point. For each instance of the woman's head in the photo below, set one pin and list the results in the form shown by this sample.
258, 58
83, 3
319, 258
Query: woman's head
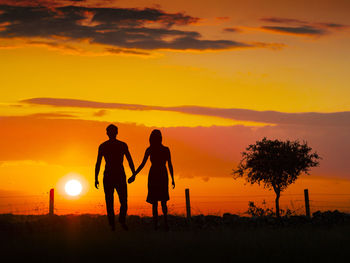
155, 138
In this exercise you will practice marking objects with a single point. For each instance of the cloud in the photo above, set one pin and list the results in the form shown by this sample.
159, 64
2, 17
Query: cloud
136, 17
100, 113
282, 20
334, 25
59, 102
274, 46
56, 3
127, 51
300, 27
53, 45
118, 28
52, 115
339, 119
303, 30
232, 29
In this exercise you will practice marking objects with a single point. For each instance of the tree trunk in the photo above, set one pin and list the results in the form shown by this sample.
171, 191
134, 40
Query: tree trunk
277, 201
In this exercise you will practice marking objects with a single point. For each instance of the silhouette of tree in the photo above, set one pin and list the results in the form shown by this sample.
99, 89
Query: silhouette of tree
276, 164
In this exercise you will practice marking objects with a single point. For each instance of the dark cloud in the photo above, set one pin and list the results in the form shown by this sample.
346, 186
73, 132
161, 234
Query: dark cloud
123, 28
303, 30
300, 27
339, 119
334, 25
282, 20
137, 17
49, 3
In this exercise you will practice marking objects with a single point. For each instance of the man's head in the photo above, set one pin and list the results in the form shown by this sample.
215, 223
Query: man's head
112, 131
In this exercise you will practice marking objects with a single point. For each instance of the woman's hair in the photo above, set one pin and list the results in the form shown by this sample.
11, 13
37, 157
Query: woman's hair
155, 138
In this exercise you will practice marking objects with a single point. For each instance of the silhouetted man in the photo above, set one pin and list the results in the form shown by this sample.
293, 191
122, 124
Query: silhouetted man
114, 177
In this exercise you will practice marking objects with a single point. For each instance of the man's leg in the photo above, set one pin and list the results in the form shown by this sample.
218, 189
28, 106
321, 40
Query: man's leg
109, 196
123, 199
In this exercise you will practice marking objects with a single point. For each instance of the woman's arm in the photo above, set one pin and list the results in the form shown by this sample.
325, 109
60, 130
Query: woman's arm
145, 158
171, 170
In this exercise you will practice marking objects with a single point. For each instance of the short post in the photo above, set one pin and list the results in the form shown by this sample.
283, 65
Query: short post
188, 204
307, 202
52, 195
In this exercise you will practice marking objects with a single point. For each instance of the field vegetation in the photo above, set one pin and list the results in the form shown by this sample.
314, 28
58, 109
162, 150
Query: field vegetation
325, 237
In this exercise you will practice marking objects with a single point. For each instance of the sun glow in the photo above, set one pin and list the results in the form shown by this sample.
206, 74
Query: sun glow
73, 187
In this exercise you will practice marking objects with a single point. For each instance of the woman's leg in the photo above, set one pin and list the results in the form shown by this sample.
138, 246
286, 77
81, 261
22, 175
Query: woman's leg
155, 214
165, 213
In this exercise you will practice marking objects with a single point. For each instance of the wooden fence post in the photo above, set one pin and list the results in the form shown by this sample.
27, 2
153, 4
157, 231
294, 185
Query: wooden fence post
51, 206
307, 202
188, 204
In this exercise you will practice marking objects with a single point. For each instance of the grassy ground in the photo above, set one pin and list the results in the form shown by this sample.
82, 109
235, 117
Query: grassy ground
87, 238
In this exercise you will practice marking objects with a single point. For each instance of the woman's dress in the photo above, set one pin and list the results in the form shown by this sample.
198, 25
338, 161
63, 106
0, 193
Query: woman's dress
158, 175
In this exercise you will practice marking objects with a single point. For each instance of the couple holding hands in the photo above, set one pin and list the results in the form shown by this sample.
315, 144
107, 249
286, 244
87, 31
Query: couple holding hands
113, 151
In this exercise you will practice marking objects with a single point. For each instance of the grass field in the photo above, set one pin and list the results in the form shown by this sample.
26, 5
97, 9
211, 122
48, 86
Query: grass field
87, 238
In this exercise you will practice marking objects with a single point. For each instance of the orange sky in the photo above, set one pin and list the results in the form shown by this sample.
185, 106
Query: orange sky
249, 69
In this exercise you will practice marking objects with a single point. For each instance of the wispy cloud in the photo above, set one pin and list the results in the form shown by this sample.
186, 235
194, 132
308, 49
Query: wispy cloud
299, 27
273, 117
100, 113
283, 20
232, 29
301, 30
127, 51
52, 115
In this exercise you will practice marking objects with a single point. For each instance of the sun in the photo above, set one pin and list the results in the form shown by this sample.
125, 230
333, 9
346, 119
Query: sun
73, 187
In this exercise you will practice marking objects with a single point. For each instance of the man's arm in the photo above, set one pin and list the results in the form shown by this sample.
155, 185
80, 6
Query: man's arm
97, 167
130, 161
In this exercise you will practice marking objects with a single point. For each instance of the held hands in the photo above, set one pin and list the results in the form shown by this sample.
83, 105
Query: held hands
97, 184
132, 178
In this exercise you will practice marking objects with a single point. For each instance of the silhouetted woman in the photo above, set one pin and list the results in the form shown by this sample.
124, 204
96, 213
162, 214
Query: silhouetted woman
158, 175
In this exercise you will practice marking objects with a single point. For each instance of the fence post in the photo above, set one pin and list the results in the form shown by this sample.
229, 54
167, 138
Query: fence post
188, 204
51, 206
307, 203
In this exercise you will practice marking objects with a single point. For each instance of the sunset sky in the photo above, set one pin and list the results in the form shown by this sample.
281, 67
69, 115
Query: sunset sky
214, 76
